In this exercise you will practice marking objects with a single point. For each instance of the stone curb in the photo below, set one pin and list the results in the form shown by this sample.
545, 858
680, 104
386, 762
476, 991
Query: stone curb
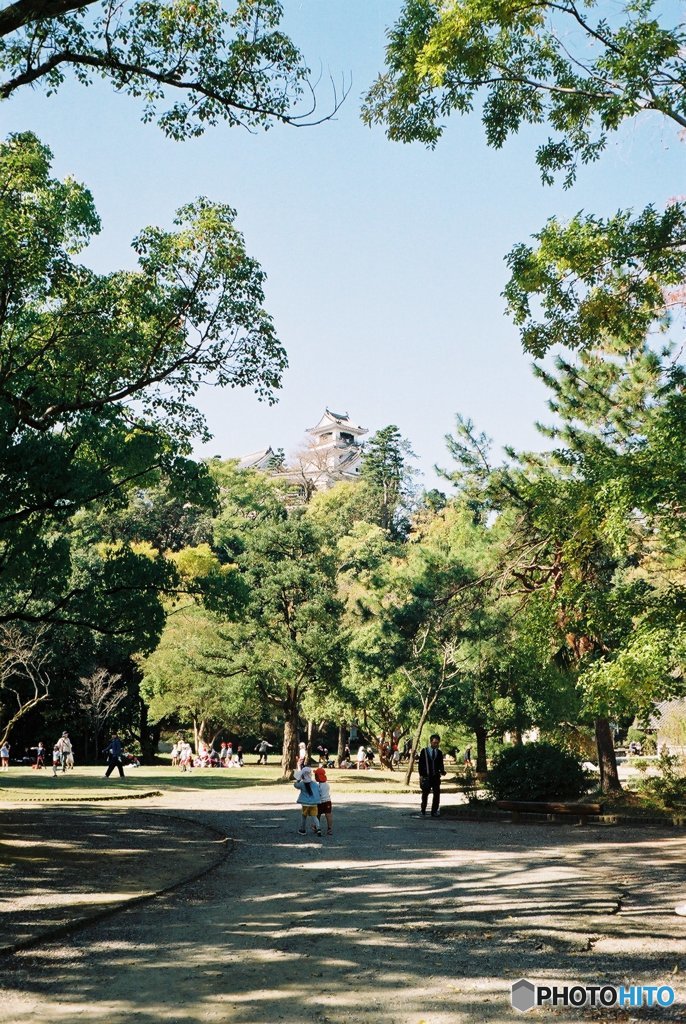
69, 927
515, 817
80, 799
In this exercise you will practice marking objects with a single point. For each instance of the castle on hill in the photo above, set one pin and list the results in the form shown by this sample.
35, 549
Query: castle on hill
333, 453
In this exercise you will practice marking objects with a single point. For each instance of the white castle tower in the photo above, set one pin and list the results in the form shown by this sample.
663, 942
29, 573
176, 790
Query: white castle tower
335, 452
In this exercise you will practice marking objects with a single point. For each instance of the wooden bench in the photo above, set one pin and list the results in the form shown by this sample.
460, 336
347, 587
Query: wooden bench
519, 807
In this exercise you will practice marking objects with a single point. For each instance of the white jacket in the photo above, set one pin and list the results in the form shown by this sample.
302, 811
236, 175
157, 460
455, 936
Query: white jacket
324, 792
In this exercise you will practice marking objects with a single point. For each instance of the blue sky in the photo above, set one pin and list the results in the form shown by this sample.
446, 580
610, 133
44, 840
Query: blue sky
384, 262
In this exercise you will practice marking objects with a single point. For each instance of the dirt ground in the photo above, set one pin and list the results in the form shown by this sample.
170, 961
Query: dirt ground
395, 919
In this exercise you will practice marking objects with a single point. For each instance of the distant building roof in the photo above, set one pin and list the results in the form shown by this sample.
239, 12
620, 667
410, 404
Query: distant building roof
676, 704
334, 419
257, 460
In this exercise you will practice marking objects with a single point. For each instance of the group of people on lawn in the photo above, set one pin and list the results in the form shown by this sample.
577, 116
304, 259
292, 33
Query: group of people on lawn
314, 791
225, 756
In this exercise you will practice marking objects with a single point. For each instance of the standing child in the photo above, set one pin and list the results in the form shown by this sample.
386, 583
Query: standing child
56, 759
5, 757
185, 756
308, 798
324, 805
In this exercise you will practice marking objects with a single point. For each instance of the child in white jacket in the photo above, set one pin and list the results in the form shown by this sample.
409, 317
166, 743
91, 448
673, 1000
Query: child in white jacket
308, 798
324, 806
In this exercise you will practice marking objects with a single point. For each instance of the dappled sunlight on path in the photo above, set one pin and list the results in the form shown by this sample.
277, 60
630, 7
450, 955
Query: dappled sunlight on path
394, 918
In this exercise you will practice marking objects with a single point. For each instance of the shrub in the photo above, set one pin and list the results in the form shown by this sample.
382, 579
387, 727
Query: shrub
669, 786
536, 771
646, 739
578, 740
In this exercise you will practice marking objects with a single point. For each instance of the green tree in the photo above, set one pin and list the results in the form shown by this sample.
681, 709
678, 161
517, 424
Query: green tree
191, 679
292, 641
387, 471
581, 532
287, 640
169, 514
579, 71
97, 376
192, 64
415, 618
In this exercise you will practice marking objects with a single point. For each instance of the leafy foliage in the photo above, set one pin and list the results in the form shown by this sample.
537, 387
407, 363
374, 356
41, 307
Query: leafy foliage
669, 785
192, 63
596, 281
97, 373
388, 473
561, 64
536, 771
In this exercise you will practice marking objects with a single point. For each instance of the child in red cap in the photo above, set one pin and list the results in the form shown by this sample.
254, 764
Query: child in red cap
324, 805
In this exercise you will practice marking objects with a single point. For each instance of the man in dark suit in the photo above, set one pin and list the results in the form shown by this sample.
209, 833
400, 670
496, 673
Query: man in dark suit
431, 768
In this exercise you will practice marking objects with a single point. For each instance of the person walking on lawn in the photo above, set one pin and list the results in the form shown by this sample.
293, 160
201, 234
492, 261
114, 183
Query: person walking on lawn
114, 756
64, 746
431, 768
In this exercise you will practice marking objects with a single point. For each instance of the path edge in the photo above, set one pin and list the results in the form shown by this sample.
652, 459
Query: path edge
228, 845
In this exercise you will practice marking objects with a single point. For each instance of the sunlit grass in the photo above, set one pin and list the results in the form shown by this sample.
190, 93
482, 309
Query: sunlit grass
87, 782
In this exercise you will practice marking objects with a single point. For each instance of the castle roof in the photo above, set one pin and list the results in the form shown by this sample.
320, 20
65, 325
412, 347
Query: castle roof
257, 460
335, 419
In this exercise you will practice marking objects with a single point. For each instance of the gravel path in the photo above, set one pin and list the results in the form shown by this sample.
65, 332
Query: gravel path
394, 918
61, 865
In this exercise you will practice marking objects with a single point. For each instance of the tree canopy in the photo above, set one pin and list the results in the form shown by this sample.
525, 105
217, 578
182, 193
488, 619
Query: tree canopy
97, 376
191, 64
566, 65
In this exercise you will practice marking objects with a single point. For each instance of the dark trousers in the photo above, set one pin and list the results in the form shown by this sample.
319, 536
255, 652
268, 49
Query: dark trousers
112, 763
431, 784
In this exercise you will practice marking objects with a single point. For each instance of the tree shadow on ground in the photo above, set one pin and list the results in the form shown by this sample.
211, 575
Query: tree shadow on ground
64, 864
395, 918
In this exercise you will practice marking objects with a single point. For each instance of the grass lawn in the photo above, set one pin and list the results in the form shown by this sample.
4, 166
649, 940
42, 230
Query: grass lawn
84, 782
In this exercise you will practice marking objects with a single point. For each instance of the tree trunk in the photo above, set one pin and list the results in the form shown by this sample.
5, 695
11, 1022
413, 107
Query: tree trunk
143, 734
198, 732
607, 759
311, 737
518, 736
147, 737
417, 740
341, 742
289, 756
481, 763
23, 710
